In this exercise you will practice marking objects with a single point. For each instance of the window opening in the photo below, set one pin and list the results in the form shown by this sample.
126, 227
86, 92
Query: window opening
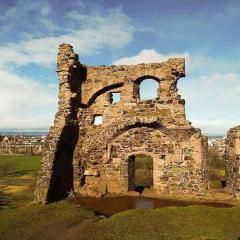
98, 120
115, 97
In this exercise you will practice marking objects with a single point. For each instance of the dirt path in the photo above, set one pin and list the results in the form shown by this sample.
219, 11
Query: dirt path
63, 231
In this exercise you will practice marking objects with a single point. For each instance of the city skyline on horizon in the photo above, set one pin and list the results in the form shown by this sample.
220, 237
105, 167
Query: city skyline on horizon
46, 130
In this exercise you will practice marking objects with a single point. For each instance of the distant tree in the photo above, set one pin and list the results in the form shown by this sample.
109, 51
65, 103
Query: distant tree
214, 160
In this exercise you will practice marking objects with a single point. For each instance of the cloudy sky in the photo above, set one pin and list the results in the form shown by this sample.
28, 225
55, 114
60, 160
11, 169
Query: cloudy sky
107, 32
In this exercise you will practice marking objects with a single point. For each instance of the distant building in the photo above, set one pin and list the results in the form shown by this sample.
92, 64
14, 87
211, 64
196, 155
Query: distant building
29, 145
218, 144
5, 140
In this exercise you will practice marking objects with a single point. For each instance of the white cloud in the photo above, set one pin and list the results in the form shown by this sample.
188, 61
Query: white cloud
196, 64
217, 77
24, 7
193, 62
26, 17
213, 86
147, 56
24, 102
235, 92
215, 126
94, 33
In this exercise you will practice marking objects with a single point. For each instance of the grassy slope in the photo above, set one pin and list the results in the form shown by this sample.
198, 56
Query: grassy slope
17, 187
193, 222
67, 221
38, 222
171, 223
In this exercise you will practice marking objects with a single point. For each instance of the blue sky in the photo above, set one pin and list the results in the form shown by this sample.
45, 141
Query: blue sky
109, 32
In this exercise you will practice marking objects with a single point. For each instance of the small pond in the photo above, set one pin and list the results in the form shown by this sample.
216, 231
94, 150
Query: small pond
108, 206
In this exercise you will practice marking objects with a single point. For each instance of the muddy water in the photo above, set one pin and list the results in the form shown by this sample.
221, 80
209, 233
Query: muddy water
1, 200
111, 205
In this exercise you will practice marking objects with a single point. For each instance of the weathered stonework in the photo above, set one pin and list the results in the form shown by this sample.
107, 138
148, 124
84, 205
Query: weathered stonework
233, 161
96, 159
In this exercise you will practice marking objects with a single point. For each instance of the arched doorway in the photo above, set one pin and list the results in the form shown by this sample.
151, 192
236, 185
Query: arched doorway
140, 172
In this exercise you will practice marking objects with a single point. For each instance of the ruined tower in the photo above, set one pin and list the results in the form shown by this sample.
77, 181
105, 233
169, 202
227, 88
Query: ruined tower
233, 161
90, 147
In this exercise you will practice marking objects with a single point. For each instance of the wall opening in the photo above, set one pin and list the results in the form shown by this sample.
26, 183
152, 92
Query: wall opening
238, 178
216, 162
140, 172
98, 120
115, 97
148, 89
114, 152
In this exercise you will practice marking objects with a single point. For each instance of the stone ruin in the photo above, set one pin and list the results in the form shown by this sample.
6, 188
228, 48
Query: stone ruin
97, 159
233, 161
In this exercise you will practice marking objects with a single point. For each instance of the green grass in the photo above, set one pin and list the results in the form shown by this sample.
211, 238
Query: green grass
216, 177
21, 220
67, 221
181, 223
23, 164
18, 185
215, 184
38, 222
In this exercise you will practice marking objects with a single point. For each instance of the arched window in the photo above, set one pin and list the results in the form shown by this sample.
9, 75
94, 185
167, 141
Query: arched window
148, 89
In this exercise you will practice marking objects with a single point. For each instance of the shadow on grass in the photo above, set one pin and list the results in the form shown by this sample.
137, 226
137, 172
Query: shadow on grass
1, 200
19, 173
4, 202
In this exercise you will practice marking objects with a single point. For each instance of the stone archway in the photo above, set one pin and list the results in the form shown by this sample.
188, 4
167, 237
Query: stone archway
140, 172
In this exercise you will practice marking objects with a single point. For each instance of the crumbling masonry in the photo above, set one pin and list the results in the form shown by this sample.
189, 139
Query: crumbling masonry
95, 159
233, 161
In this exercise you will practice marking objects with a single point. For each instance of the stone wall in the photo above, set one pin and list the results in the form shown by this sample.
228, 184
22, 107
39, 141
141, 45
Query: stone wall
233, 161
94, 159
56, 175
29, 149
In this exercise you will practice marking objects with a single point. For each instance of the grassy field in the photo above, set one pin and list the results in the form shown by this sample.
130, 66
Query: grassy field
20, 219
23, 164
17, 182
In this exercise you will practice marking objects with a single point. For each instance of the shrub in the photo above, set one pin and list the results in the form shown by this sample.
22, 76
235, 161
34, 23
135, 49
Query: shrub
217, 179
144, 162
6, 167
213, 175
214, 160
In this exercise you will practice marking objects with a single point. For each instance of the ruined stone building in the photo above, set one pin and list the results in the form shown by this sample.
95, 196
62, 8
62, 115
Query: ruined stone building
233, 161
92, 146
